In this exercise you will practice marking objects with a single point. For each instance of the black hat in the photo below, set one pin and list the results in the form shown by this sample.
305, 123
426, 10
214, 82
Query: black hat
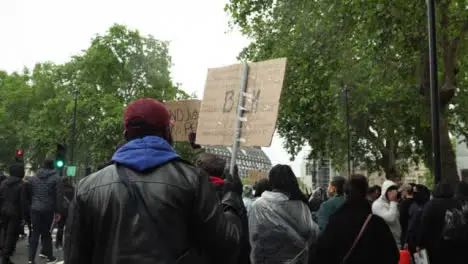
17, 170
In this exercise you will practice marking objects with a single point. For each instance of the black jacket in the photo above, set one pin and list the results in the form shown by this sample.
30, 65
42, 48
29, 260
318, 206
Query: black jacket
244, 253
432, 224
11, 190
405, 206
44, 192
68, 193
376, 245
191, 223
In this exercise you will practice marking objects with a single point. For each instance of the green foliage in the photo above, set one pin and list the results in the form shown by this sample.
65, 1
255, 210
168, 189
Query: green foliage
120, 66
429, 180
185, 150
376, 50
245, 181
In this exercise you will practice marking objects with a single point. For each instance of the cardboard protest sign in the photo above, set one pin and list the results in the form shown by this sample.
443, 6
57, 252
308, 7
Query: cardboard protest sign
254, 176
184, 114
218, 111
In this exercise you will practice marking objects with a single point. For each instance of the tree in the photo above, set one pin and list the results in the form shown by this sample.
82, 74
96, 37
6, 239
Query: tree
376, 48
118, 67
15, 98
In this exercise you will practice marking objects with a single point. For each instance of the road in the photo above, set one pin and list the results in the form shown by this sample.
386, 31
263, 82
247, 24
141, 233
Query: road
21, 254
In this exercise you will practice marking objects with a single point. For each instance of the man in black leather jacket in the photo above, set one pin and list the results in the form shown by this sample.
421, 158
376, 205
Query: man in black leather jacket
185, 223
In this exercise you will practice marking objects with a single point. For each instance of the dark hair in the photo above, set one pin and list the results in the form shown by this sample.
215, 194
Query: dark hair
371, 190
17, 170
261, 186
282, 178
421, 194
48, 164
356, 188
378, 188
2, 178
212, 164
339, 183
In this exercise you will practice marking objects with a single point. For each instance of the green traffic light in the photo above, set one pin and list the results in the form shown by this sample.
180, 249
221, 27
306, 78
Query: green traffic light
59, 163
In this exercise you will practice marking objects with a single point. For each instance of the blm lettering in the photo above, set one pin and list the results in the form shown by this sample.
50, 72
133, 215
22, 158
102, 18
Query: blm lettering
228, 101
218, 115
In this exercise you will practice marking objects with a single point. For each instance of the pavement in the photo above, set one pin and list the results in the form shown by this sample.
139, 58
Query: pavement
21, 254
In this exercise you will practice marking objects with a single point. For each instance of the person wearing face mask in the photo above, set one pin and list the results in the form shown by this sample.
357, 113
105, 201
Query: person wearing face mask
387, 208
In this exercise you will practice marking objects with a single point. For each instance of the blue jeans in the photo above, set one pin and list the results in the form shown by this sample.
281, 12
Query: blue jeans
41, 224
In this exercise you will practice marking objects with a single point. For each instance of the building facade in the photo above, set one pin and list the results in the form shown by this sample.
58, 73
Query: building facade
316, 173
248, 158
461, 152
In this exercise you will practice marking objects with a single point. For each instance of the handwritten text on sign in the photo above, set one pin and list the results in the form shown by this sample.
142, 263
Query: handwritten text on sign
184, 114
254, 176
218, 112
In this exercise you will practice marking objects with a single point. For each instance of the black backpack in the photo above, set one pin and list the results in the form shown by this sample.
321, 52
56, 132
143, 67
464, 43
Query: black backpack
456, 222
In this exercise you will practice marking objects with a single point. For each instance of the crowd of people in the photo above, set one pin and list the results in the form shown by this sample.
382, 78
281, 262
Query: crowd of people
41, 202
148, 205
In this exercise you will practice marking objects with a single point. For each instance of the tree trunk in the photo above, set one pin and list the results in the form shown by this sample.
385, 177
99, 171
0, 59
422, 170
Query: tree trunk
447, 154
388, 162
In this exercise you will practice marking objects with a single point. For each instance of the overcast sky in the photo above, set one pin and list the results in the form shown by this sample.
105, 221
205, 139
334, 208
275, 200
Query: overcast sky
53, 30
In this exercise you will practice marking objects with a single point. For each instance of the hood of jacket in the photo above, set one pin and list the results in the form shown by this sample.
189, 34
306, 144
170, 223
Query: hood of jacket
145, 153
274, 196
45, 173
443, 190
461, 191
385, 186
422, 194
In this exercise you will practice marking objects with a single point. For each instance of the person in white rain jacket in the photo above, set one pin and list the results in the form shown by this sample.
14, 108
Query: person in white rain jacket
387, 208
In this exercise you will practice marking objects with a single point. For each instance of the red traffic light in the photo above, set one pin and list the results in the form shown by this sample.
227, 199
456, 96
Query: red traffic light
19, 152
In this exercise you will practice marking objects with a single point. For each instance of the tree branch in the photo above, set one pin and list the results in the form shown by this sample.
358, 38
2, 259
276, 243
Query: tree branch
456, 41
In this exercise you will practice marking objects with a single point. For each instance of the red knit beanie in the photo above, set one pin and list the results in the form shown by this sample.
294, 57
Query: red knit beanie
146, 115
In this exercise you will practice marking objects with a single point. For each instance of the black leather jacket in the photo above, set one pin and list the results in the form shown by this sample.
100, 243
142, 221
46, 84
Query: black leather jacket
192, 225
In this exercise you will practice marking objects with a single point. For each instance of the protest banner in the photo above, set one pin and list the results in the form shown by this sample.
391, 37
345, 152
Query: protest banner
184, 114
254, 176
218, 112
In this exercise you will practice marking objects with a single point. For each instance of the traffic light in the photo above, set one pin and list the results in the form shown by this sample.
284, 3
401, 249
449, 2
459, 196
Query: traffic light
60, 156
59, 164
19, 155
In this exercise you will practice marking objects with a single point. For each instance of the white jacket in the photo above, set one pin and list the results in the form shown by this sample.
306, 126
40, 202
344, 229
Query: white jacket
388, 211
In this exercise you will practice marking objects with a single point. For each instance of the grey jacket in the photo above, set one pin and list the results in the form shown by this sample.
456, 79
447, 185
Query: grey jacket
45, 192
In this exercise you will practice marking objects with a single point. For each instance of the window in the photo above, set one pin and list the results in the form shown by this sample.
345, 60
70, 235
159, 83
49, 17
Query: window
309, 169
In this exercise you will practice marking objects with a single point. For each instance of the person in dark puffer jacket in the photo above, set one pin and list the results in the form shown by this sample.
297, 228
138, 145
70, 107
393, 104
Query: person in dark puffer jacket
11, 209
44, 196
216, 167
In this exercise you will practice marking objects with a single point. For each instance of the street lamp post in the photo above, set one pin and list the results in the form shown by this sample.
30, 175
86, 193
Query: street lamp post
348, 133
73, 138
435, 102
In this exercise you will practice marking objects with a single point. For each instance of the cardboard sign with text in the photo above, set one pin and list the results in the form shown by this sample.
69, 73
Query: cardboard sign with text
218, 112
184, 114
254, 176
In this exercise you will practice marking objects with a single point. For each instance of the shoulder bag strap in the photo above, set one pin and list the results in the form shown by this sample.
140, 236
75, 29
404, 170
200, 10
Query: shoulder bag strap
356, 240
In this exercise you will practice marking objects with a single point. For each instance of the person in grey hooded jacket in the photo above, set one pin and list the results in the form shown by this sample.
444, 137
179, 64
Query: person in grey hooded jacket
387, 208
44, 196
